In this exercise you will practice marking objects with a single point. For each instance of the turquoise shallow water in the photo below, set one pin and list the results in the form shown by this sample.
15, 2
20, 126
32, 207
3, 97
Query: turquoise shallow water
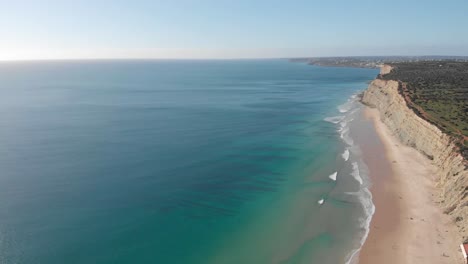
176, 162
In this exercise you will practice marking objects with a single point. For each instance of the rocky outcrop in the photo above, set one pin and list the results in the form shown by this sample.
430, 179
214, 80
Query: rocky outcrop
384, 69
416, 132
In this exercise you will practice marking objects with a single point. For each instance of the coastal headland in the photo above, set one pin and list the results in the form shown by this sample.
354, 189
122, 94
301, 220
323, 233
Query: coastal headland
419, 180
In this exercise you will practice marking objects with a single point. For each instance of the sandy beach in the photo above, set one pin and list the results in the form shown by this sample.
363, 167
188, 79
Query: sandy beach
408, 226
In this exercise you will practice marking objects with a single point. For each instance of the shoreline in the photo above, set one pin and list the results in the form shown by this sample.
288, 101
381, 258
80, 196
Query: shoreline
407, 226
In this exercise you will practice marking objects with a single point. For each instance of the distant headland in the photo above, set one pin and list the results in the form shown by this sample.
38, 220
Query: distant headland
373, 61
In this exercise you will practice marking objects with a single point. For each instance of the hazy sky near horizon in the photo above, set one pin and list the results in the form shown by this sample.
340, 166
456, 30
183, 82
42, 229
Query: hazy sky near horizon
61, 29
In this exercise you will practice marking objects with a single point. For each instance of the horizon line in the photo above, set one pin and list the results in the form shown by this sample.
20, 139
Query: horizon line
219, 59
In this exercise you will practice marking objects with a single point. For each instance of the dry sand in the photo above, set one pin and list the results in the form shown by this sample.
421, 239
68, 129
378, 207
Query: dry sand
407, 227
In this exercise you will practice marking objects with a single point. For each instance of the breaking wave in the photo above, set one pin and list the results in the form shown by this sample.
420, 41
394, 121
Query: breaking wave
334, 119
357, 171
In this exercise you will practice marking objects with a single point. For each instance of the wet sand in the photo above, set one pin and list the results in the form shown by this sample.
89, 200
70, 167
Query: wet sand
408, 226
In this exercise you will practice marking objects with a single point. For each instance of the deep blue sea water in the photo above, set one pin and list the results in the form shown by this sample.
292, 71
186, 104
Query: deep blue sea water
178, 162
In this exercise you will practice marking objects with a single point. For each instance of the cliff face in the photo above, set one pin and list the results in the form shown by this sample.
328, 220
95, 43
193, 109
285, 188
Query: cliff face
384, 69
414, 131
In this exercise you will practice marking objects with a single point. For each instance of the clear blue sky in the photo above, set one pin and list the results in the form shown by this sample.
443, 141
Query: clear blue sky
58, 29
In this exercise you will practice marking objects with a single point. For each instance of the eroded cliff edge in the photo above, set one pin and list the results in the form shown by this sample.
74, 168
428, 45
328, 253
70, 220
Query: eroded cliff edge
416, 132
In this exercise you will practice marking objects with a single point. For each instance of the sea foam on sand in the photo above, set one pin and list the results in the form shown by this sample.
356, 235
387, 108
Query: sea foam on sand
355, 173
345, 155
349, 110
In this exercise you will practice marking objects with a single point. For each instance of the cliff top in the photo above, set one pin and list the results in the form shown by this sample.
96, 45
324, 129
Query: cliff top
438, 92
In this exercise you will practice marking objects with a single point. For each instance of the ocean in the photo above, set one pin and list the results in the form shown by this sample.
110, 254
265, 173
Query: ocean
180, 161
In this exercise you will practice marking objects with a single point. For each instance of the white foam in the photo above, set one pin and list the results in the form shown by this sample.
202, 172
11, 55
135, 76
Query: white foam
334, 119
346, 106
344, 134
355, 173
333, 176
320, 201
343, 124
345, 154
344, 131
345, 121
350, 109
365, 198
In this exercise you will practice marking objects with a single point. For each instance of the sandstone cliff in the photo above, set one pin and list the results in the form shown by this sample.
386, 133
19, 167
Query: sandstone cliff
416, 132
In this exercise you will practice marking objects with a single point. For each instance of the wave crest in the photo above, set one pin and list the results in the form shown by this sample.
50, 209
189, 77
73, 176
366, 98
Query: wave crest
333, 176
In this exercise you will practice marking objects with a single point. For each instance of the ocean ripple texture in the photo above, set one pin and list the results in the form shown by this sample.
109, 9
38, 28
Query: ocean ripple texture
178, 162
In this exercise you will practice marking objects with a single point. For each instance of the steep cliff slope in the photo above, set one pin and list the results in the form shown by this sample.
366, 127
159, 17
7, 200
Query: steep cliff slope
416, 132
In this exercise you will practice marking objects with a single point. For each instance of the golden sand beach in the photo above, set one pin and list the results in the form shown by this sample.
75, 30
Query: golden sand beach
408, 226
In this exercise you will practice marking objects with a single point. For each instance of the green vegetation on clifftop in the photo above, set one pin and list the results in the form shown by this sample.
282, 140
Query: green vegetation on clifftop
438, 92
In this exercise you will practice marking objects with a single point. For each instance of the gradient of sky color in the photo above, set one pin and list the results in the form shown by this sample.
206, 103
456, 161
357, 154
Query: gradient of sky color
60, 29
